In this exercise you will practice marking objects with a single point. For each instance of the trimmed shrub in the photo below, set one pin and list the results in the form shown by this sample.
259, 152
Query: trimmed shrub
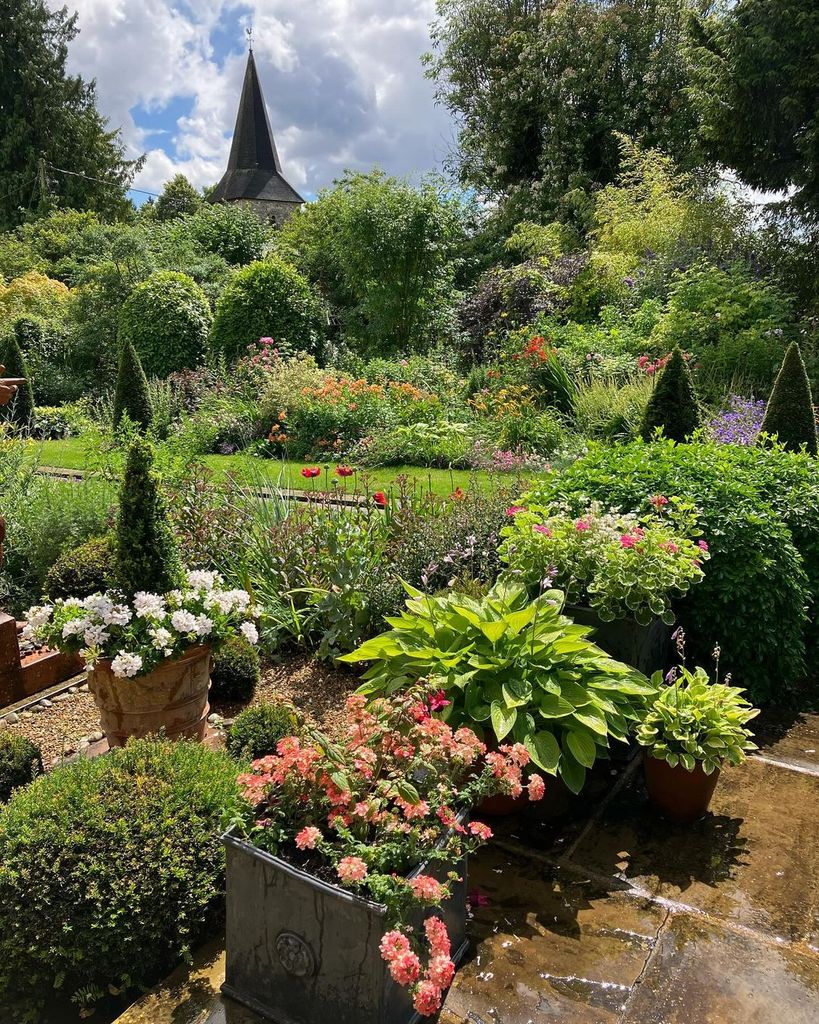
132, 398
168, 319
20, 763
268, 298
673, 404
236, 670
20, 409
257, 730
790, 413
87, 569
147, 553
111, 871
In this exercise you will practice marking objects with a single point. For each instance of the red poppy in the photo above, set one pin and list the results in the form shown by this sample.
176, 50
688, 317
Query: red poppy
309, 472
345, 470
457, 495
380, 498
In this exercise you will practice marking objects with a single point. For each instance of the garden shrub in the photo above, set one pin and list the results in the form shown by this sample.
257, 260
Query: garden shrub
20, 763
673, 405
53, 422
168, 319
758, 511
236, 670
85, 570
446, 445
131, 397
111, 871
257, 730
605, 409
790, 414
268, 298
20, 410
147, 553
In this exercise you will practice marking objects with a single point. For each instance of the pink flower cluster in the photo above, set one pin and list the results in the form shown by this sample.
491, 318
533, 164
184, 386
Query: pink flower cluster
405, 966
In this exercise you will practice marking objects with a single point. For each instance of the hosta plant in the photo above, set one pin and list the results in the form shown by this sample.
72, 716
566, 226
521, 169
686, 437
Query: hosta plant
137, 635
621, 565
694, 721
366, 810
514, 669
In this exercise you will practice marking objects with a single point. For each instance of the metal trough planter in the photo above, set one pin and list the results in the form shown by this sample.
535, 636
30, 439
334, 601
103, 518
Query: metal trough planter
645, 648
302, 951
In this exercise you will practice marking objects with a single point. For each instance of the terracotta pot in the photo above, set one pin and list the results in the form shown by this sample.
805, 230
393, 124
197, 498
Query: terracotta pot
172, 699
676, 792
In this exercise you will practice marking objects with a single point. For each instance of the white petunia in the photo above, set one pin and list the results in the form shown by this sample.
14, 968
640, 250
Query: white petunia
39, 615
199, 579
119, 615
149, 606
249, 632
161, 638
183, 622
203, 625
96, 635
125, 665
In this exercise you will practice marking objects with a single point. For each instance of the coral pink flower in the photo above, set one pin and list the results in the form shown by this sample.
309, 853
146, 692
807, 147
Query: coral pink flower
481, 831
405, 969
308, 837
658, 501
309, 472
393, 944
670, 547
428, 889
427, 998
536, 787
441, 971
351, 869
437, 936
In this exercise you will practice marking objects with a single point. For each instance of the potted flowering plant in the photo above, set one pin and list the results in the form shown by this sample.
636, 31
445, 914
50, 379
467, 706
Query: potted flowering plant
148, 658
346, 890
693, 728
614, 567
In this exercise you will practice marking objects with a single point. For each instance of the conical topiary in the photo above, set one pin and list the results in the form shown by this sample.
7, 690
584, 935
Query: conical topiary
131, 397
790, 413
20, 409
147, 553
673, 404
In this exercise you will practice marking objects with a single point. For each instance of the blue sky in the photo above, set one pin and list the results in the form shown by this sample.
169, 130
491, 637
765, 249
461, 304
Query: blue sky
342, 79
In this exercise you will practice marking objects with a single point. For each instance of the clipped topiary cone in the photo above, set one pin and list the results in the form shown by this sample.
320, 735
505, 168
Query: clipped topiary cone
673, 405
790, 415
131, 397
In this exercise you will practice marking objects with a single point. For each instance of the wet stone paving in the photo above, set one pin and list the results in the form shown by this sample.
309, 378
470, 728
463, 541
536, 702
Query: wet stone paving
598, 911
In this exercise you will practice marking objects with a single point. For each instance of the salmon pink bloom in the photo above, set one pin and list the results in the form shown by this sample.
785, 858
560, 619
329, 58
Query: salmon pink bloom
308, 837
658, 501
393, 945
351, 869
405, 969
427, 999
428, 889
437, 936
536, 787
480, 831
441, 971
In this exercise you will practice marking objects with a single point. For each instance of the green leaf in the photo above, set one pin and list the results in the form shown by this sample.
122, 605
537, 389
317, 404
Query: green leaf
582, 746
493, 631
503, 719
544, 751
573, 774
553, 706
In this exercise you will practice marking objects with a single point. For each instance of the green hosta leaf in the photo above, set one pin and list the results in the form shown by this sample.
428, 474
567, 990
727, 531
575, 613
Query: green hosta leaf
503, 719
518, 620
493, 631
597, 723
576, 695
544, 751
582, 747
554, 706
572, 773
516, 692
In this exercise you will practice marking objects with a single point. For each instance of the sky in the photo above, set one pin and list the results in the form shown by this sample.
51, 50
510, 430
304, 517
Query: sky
342, 79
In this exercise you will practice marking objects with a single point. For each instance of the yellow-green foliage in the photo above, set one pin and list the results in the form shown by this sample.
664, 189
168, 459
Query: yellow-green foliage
33, 295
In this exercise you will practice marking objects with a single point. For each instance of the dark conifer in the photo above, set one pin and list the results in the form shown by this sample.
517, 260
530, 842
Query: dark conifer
131, 397
673, 404
790, 413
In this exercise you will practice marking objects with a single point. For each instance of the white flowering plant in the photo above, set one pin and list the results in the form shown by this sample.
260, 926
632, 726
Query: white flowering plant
135, 636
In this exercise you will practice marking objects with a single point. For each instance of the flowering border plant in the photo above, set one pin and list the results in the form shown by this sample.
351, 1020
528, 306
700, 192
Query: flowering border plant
136, 636
620, 564
367, 811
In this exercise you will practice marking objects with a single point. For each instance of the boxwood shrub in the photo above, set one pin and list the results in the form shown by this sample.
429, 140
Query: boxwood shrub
20, 762
236, 670
111, 870
759, 509
83, 570
258, 729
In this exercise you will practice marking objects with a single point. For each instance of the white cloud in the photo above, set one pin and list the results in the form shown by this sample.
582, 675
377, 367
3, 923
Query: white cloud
342, 79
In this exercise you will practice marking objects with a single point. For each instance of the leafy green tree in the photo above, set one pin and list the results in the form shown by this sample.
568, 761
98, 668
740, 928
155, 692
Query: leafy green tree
50, 115
383, 255
168, 319
58, 245
790, 413
673, 404
268, 298
539, 88
147, 552
230, 231
20, 410
178, 198
755, 81
132, 398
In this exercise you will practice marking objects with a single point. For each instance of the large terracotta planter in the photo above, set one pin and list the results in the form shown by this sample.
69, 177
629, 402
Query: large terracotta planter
173, 699
679, 794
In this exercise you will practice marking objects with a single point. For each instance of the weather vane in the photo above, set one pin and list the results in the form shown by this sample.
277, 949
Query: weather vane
249, 34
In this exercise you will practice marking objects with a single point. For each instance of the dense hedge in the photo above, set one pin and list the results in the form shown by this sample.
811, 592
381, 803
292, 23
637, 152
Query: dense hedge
268, 298
759, 509
111, 870
20, 762
168, 319
258, 729
83, 570
236, 670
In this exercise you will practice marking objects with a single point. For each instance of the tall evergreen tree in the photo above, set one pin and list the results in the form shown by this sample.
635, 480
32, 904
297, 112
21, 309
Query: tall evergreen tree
131, 397
147, 552
790, 414
673, 404
20, 410
47, 114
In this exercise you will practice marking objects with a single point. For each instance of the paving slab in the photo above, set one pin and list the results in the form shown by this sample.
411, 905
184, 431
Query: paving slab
797, 746
703, 973
753, 860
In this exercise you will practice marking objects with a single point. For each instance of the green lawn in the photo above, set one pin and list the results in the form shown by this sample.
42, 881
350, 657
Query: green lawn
71, 454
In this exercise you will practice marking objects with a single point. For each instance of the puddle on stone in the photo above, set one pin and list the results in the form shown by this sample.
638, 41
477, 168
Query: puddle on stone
608, 995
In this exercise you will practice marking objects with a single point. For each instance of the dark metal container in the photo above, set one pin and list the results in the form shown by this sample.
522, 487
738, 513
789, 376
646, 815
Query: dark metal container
302, 951
646, 648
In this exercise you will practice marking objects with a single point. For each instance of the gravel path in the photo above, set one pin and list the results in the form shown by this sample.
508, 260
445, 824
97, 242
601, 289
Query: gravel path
317, 689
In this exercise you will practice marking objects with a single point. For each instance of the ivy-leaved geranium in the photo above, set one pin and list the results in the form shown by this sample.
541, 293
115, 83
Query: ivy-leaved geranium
511, 667
619, 564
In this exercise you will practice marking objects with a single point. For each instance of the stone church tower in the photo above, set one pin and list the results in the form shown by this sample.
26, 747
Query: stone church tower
254, 172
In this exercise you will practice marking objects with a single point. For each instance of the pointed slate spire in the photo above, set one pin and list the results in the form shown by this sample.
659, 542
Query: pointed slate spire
254, 171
